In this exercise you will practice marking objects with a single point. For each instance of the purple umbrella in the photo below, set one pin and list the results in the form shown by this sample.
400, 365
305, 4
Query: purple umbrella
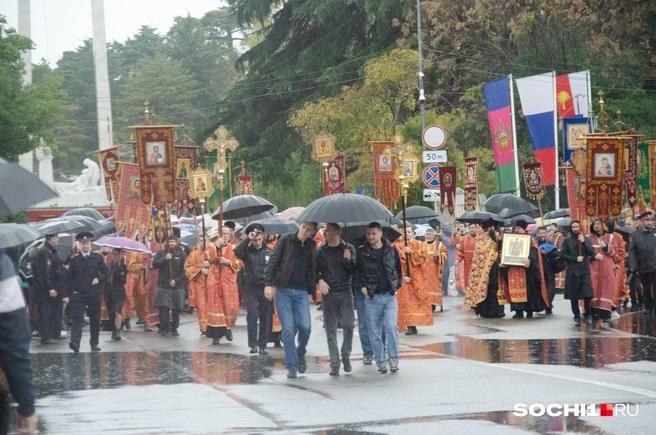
118, 242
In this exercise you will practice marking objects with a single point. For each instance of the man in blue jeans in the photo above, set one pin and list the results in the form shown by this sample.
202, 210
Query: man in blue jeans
379, 267
290, 275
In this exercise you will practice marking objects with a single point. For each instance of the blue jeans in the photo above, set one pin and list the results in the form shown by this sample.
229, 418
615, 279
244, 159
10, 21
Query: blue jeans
294, 313
382, 314
363, 329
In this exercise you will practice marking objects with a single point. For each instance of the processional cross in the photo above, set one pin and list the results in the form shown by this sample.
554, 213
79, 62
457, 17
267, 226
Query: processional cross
221, 142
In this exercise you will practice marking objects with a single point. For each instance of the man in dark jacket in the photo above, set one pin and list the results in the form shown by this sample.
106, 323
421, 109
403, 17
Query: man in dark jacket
335, 266
46, 281
577, 251
87, 274
169, 297
642, 258
255, 256
15, 348
291, 275
379, 266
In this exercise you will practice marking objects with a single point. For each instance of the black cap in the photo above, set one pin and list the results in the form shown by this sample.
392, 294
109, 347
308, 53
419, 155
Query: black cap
84, 236
171, 237
521, 223
254, 227
230, 224
487, 224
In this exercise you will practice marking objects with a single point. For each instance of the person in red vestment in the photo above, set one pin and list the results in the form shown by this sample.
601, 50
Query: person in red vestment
619, 245
602, 270
464, 255
197, 269
222, 293
435, 264
413, 297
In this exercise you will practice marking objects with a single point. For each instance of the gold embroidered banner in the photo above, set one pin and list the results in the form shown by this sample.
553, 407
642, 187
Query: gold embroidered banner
185, 163
132, 215
109, 162
385, 167
533, 184
604, 172
471, 183
333, 176
156, 160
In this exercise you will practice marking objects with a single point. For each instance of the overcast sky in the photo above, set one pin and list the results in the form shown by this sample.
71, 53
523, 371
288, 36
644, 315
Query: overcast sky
62, 25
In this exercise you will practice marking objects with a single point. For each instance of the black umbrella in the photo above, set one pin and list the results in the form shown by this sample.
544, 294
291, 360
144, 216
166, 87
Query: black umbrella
418, 214
20, 189
16, 234
355, 232
276, 225
558, 213
255, 217
625, 230
513, 203
564, 223
56, 226
243, 206
344, 208
85, 211
475, 217
506, 213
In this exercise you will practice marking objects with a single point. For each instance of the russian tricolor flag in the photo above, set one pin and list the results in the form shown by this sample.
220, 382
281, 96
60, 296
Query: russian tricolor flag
537, 95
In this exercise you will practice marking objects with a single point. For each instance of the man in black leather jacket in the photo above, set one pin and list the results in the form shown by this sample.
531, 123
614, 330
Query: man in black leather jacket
255, 256
379, 266
47, 283
335, 266
642, 258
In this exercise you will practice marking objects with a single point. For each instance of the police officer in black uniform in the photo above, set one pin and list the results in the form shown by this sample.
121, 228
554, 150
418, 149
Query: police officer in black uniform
87, 273
47, 279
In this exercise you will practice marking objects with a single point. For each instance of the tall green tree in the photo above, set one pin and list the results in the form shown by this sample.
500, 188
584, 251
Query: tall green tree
25, 112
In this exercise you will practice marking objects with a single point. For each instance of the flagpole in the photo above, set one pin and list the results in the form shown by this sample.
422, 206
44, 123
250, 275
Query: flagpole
555, 127
587, 79
514, 133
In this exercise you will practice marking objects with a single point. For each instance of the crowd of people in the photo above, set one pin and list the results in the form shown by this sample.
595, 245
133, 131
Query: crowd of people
392, 285
600, 270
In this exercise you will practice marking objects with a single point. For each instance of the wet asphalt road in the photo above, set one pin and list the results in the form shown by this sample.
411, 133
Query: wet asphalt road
461, 375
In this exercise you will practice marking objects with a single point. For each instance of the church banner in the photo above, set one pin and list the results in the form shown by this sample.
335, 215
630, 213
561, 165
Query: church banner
385, 165
156, 160
109, 163
447, 188
471, 183
605, 169
533, 184
333, 176
132, 215
644, 172
631, 171
185, 164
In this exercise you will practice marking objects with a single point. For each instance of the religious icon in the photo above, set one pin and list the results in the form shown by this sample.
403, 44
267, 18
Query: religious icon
576, 136
199, 185
110, 164
448, 180
408, 167
515, 249
134, 187
156, 153
183, 168
384, 163
604, 165
471, 175
333, 173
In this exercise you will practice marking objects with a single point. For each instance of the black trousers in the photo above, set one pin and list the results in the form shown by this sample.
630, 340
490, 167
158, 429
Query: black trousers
50, 317
92, 308
576, 310
169, 319
635, 289
648, 280
338, 310
258, 308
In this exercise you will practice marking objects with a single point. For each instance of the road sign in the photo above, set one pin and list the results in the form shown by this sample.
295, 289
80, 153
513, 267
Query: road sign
431, 176
433, 137
431, 195
438, 156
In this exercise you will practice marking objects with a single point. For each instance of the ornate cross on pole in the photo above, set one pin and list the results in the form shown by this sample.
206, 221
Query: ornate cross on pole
220, 142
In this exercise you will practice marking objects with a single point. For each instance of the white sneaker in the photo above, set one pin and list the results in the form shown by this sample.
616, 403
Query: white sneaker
614, 315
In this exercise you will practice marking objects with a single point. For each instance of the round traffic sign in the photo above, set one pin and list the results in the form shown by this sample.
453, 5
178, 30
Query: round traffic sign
433, 137
431, 176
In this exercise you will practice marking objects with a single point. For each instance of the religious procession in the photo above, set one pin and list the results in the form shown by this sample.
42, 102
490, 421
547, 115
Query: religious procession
210, 277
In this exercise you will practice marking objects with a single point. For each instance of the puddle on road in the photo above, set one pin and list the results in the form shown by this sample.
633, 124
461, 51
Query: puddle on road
57, 373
